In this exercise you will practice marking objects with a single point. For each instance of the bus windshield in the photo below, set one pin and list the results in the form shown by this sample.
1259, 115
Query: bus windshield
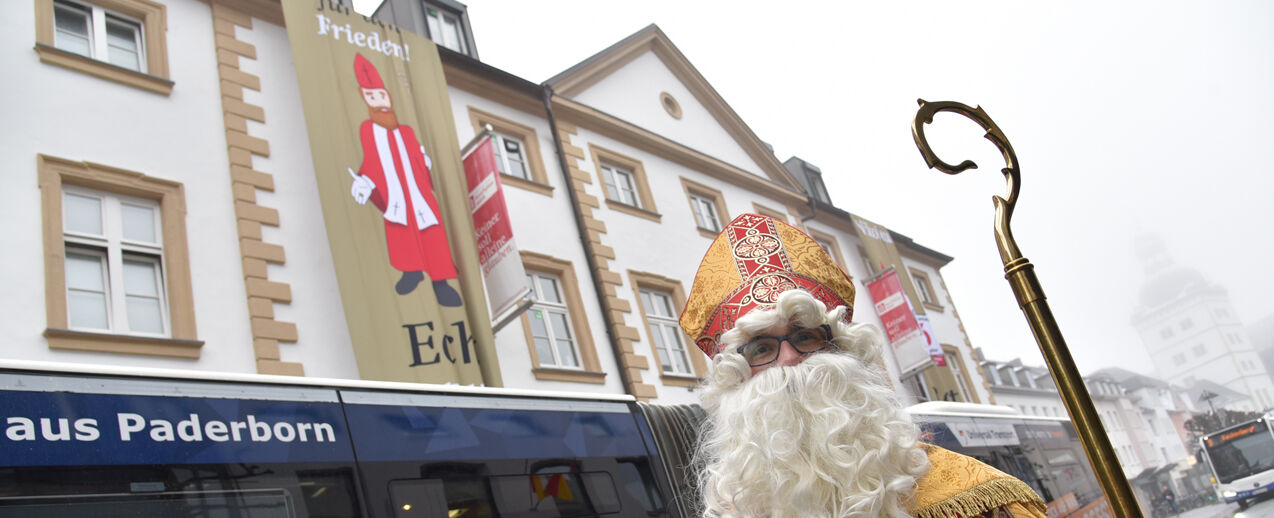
1242, 456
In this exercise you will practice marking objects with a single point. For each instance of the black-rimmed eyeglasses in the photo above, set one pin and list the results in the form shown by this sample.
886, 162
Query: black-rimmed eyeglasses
765, 349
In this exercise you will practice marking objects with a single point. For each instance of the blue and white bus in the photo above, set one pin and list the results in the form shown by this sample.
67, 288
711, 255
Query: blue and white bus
1044, 452
1242, 460
104, 442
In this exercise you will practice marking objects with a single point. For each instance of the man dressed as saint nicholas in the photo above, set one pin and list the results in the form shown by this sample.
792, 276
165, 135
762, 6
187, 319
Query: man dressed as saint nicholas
802, 419
395, 177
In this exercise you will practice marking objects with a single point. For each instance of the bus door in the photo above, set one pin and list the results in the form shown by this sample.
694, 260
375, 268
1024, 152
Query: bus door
1054, 450
81, 446
453, 456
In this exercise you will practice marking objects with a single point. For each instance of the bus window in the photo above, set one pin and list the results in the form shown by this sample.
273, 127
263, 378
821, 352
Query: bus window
255, 491
542, 495
1244, 456
423, 498
639, 483
555, 495
254, 504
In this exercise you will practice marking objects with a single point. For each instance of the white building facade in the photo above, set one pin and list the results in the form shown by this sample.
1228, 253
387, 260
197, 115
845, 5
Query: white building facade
1192, 332
166, 215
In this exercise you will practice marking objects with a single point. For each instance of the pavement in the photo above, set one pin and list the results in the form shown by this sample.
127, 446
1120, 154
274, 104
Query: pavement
1210, 511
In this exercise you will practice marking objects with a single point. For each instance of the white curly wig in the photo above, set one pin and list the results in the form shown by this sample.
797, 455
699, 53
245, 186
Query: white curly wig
826, 437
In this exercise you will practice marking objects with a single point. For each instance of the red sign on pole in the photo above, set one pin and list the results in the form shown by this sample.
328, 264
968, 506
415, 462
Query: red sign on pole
931, 340
497, 253
891, 304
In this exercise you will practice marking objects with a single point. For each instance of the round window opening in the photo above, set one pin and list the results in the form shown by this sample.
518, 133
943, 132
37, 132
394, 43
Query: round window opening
670, 105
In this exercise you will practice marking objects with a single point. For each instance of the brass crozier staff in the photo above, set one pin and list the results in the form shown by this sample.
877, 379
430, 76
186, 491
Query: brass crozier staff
1030, 296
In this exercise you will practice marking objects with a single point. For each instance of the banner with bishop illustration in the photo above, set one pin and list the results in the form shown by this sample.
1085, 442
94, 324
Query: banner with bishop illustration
394, 197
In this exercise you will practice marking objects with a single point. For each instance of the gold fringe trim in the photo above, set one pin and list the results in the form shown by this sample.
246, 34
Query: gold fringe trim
984, 497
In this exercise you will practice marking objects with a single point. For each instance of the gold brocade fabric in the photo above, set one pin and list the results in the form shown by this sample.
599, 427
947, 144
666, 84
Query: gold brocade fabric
752, 261
957, 486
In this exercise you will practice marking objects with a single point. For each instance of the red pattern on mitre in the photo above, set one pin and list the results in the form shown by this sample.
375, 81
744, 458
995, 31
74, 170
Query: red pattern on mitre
366, 73
753, 260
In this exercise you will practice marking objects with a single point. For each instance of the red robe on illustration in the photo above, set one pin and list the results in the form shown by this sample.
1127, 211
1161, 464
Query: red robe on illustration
395, 177
410, 249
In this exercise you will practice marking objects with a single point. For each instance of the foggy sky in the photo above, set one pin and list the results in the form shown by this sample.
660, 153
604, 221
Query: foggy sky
1126, 117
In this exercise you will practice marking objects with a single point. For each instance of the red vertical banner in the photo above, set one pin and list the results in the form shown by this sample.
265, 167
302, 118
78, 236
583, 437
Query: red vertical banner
502, 271
891, 304
931, 341
901, 327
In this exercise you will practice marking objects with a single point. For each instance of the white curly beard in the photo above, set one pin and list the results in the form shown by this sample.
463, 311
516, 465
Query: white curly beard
824, 438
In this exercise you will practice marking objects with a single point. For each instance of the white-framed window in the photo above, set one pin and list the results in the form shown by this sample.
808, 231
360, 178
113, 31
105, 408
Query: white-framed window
97, 33
665, 332
1200, 350
1187, 324
925, 289
993, 373
621, 186
705, 213
445, 29
114, 263
1179, 359
510, 156
1165, 332
550, 322
1008, 377
957, 370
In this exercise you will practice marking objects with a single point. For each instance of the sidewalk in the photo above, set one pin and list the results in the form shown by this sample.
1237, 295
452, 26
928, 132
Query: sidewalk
1211, 511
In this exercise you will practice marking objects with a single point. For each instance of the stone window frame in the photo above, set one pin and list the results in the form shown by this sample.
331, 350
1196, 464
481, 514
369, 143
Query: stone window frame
647, 210
767, 211
539, 182
965, 381
693, 188
926, 287
182, 341
153, 17
672, 287
591, 369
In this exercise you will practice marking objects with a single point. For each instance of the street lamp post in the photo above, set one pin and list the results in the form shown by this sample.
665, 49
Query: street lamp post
1208, 395
1030, 297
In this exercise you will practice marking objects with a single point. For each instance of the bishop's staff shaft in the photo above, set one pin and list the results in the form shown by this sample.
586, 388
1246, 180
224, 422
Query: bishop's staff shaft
1030, 297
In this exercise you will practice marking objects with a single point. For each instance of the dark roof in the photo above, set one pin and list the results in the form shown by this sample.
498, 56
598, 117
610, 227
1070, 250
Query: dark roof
456, 59
1224, 395
1130, 380
798, 166
940, 257
601, 54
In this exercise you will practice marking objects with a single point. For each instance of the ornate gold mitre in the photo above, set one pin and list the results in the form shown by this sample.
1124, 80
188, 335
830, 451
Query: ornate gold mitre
747, 266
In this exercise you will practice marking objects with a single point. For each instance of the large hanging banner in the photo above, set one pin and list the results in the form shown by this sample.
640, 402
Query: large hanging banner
879, 244
895, 298
394, 198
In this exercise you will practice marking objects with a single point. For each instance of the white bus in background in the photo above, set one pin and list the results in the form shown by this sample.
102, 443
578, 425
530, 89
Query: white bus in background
1242, 460
1044, 452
